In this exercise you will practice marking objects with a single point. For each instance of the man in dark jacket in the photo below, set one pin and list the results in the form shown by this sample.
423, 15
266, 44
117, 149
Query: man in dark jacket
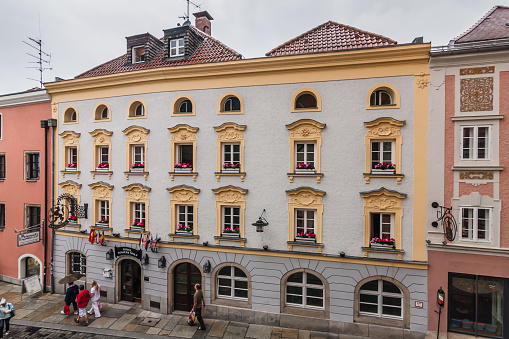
70, 297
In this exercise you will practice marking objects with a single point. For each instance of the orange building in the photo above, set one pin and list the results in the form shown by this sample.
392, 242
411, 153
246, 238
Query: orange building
25, 185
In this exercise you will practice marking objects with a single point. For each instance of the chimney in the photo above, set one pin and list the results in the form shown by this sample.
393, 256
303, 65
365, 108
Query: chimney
203, 21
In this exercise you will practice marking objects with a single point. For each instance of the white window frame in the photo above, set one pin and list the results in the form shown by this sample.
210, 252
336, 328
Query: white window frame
233, 279
105, 113
70, 155
142, 57
104, 210
82, 262
380, 226
231, 215
176, 51
475, 140
231, 153
183, 217
380, 304
141, 154
141, 112
305, 219
304, 285
306, 152
101, 154
139, 212
381, 151
475, 223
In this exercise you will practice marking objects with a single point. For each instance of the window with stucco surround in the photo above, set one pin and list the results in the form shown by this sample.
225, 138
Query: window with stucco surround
383, 215
70, 153
305, 212
383, 96
305, 149
183, 145
383, 149
136, 151
183, 105
306, 100
137, 109
70, 115
184, 212
101, 205
101, 152
382, 300
230, 145
306, 293
230, 103
231, 285
102, 112
230, 214
137, 208
475, 224
475, 142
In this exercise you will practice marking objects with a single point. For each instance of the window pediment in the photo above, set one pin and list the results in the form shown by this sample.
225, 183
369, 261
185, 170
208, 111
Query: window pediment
69, 138
184, 133
183, 194
305, 129
305, 197
384, 128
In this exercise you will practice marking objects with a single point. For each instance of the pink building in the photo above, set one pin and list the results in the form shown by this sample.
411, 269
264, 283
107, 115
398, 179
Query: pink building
469, 152
23, 184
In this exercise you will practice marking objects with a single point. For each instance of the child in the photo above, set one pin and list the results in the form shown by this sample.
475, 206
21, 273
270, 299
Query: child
82, 300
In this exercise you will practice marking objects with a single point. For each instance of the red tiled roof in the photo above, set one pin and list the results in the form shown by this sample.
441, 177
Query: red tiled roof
330, 36
210, 50
491, 26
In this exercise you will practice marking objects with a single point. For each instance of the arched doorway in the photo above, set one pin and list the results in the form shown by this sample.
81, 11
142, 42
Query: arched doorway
186, 275
130, 281
29, 265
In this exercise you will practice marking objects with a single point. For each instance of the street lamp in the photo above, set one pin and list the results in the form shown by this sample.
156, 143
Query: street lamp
261, 222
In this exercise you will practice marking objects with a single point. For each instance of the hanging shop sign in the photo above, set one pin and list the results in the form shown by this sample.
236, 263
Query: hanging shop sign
28, 238
127, 251
66, 206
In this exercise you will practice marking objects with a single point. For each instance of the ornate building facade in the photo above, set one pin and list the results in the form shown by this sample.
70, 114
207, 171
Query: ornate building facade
189, 144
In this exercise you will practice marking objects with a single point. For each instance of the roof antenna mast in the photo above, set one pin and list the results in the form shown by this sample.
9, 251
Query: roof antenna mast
40, 57
186, 15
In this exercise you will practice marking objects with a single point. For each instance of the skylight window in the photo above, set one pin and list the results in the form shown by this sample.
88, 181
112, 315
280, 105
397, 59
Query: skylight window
138, 54
177, 47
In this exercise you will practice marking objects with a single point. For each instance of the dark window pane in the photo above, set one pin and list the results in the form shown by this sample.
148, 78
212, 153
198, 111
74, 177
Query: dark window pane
370, 286
314, 292
369, 298
225, 270
306, 100
294, 299
390, 288
393, 311
241, 284
224, 282
294, 290
390, 301
313, 280
225, 291
241, 293
239, 272
296, 277
368, 308
317, 302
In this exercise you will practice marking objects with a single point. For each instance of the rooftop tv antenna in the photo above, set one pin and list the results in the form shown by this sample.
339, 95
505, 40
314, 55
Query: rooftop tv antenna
42, 58
186, 15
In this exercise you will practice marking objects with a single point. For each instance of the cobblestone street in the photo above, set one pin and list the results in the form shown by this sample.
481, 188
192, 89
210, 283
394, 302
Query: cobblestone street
39, 317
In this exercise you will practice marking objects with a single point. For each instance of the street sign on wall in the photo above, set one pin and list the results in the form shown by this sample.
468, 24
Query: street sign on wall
28, 238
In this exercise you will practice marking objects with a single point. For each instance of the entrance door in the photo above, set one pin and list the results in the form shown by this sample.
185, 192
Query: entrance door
186, 276
130, 289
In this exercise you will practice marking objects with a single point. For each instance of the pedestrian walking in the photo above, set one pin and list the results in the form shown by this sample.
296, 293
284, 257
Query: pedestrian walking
197, 306
70, 298
6, 313
95, 294
82, 300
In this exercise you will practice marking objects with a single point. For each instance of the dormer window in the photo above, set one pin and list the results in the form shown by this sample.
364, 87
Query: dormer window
138, 54
177, 47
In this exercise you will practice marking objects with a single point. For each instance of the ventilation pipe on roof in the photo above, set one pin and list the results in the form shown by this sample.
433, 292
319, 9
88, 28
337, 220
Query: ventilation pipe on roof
418, 40
202, 21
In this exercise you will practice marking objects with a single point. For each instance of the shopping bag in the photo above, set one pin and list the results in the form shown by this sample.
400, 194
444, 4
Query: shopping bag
190, 321
100, 305
66, 310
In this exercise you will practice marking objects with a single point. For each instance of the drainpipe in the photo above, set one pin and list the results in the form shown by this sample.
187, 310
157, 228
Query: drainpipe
44, 124
52, 123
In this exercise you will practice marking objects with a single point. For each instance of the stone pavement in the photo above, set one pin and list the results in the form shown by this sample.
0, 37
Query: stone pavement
41, 314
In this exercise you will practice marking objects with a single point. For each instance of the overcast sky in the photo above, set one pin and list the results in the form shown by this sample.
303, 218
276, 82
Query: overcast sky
80, 35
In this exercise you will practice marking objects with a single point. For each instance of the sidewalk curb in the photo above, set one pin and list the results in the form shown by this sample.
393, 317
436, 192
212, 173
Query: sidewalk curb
84, 329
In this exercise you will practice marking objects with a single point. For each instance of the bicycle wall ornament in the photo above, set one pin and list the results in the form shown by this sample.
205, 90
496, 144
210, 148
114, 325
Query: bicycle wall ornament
66, 205
449, 224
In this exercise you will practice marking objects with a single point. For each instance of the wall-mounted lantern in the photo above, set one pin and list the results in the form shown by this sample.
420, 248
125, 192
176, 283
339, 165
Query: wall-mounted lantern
110, 255
261, 222
161, 263
144, 260
206, 267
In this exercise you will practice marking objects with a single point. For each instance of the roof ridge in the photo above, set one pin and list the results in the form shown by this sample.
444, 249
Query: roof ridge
478, 23
348, 27
207, 36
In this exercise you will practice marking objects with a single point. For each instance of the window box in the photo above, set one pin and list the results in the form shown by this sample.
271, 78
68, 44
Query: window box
383, 171
137, 169
102, 224
181, 229
102, 169
230, 235
137, 229
386, 246
183, 170
305, 240
231, 170
305, 171
71, 169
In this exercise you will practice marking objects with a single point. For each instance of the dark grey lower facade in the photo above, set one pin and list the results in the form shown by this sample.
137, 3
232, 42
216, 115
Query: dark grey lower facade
272, 288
